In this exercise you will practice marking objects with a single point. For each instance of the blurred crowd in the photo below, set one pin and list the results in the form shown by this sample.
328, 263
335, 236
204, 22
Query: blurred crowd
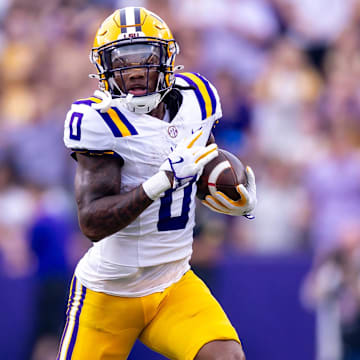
287, 72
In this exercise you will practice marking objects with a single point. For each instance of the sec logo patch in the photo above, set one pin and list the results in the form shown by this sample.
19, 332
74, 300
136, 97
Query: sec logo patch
173, 131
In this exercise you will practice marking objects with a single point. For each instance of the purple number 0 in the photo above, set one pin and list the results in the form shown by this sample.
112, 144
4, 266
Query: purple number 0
75, 125
166, 221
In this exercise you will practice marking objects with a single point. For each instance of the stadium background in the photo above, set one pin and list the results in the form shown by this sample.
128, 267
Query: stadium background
288, 76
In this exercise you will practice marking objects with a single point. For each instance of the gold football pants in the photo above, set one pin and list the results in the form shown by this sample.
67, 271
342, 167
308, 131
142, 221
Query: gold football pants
176, 322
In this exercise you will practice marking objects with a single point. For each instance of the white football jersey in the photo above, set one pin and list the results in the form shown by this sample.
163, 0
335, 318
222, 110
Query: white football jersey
162, 233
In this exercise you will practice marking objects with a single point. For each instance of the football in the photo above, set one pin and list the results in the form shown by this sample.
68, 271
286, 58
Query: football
223, 174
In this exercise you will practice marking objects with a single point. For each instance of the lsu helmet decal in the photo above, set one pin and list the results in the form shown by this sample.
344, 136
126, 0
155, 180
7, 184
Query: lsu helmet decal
135, 38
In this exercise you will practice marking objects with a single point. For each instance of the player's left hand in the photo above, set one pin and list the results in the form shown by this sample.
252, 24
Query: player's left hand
221, 203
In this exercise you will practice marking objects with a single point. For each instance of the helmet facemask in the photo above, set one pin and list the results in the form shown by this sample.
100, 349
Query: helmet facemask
138, 70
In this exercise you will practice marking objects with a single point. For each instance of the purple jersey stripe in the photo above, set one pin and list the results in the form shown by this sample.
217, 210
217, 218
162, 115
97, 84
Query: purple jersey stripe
197, 93
210, 91
107, 118
110, 123
125, 121
85, 102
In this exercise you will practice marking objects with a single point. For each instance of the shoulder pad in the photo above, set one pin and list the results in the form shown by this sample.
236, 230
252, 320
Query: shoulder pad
88, 128
205, 93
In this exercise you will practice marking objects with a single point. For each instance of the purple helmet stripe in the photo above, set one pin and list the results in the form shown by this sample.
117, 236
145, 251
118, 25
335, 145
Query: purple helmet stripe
137, 18
123, 21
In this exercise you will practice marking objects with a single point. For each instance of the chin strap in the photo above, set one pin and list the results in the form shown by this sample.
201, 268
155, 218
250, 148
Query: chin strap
107, 100
105, 104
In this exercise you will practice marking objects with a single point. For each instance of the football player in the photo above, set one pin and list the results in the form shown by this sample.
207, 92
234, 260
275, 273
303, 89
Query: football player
141, 143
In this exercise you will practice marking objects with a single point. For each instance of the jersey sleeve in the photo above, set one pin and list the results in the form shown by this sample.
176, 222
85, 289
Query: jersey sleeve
86, 131
205, 92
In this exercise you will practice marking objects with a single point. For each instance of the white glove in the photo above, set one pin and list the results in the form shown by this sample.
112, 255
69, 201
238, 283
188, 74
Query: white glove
221, 203
187, 160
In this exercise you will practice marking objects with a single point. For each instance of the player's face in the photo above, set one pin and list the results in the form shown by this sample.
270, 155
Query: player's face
136, 68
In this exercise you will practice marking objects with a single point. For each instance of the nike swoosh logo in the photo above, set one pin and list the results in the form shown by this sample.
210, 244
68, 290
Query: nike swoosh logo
192, 131
181, 159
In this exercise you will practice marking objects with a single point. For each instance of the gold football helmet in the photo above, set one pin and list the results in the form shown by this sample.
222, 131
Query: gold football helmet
137, 34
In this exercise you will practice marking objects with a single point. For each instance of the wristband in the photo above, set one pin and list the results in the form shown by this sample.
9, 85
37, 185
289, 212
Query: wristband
156, 185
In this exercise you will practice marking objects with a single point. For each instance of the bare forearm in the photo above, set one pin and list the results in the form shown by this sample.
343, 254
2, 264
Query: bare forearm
102, 208
107, 215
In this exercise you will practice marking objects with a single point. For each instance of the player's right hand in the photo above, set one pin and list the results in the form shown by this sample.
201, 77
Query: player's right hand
186, 162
